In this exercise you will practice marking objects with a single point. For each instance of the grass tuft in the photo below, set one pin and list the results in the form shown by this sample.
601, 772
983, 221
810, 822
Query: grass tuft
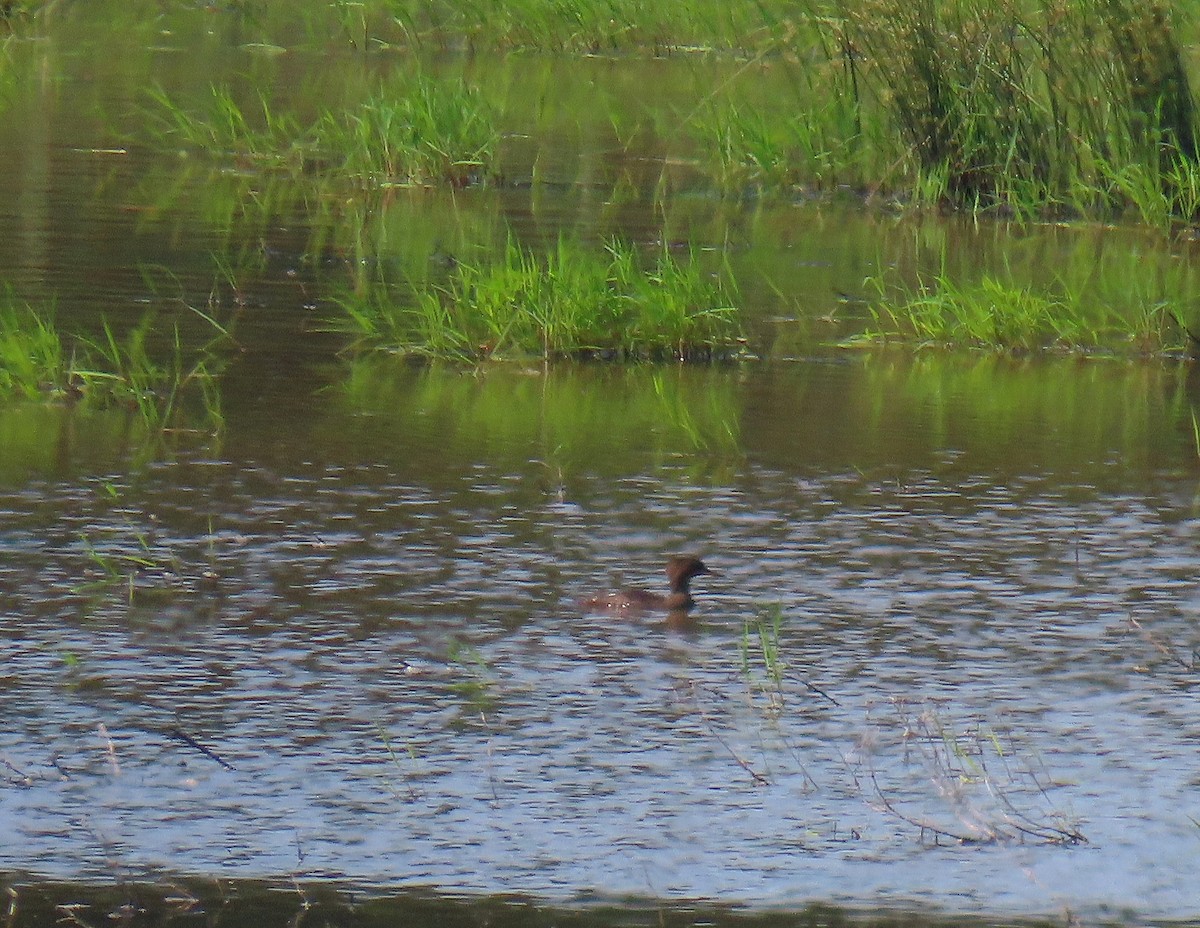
571, 302
410, 131
33, 362
135, 371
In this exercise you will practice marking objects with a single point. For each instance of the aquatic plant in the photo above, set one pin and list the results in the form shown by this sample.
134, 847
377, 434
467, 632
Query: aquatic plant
267, 137
989, 791
126, 557
999, 314
154, 384
412, 130
596, 26
37, 361
476, 683
1076, 105
33, 361
762, 663
572, 301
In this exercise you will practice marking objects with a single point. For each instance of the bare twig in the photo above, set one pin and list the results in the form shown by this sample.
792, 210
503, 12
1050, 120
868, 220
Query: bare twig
179, 735
1162, 647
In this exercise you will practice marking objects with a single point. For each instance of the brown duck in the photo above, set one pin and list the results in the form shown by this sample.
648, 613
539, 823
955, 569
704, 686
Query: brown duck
680, 571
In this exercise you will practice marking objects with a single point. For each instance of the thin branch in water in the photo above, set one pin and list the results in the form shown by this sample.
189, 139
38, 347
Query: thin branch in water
179, 735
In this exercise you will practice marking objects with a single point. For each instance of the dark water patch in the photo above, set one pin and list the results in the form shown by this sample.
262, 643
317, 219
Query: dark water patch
184, 901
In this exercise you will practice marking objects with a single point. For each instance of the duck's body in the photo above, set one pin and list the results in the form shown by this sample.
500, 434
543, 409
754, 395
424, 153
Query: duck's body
680, 571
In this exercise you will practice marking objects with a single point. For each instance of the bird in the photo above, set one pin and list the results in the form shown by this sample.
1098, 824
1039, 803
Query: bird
680, 571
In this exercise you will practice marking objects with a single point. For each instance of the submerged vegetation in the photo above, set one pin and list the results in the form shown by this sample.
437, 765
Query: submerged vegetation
571, 302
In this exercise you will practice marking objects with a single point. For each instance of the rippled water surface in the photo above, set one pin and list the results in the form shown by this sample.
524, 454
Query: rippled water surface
946, 656
399, 690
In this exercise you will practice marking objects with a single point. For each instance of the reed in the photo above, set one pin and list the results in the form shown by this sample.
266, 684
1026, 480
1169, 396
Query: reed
1073, 106
570, 302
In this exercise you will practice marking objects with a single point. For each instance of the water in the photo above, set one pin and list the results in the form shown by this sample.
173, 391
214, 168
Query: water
339, 642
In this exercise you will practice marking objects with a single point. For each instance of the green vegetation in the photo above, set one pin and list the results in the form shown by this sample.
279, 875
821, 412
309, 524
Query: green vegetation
762, 663
1075, 105
572, 302
412, 130
580, 26
1126, 310
262, 135
32, 359
37, 361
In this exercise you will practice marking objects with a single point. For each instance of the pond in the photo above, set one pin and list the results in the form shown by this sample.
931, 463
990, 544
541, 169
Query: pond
945, 660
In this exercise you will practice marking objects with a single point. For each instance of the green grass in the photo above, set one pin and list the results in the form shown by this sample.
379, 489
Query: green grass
761, 657
260, 134
33, 362
996, 314
595, 26
573, 301
1079, 106
154, 380
411, 130
155, 383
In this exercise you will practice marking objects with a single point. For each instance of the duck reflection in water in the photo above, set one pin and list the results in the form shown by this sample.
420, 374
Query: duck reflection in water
676, 603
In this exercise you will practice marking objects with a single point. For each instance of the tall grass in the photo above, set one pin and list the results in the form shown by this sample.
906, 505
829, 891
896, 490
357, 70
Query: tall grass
261, 134
595, 26
155, 383
571, 301
410, 131
1063, 106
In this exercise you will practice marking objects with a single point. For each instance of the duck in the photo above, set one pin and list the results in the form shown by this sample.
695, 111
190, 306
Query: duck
680, 571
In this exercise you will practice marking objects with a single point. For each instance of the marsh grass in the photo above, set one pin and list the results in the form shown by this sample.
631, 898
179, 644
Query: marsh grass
411, 130
996, 312
260, 135
761, 656
33, 362
134, 371
595, 27
125, 557
476, 681
572, 301
155, 384
1071, 106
